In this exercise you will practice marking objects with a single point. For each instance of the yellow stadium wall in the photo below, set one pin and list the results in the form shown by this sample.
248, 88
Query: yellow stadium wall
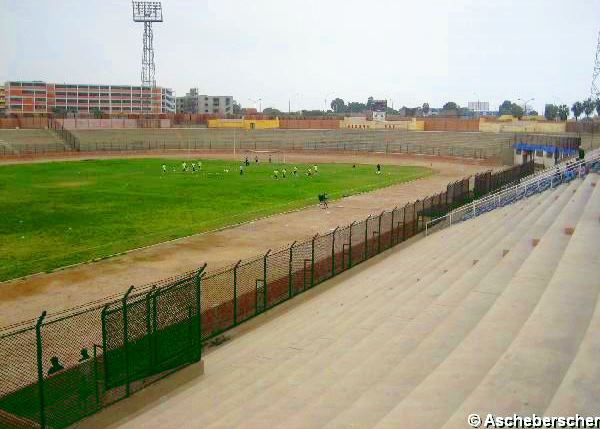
361, 123
225, 123
261, 124
243, 123
516, 126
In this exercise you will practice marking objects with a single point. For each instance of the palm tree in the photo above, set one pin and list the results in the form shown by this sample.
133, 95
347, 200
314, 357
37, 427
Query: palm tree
588, 107
563, 112
577, 109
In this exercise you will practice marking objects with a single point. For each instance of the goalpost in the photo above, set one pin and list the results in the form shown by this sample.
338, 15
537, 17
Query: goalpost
277, 156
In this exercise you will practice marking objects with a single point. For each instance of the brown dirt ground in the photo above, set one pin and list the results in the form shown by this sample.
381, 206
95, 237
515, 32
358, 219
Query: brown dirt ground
24, 299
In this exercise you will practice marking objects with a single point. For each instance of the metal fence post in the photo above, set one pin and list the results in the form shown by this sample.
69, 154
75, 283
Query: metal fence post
40, 369
290, 270
149, 331
366, 253
350, 246
312, 261
235, 292
379, 233
126, 340
265, 279
404, 222
392, 228
198, 281
333, 251
96, 391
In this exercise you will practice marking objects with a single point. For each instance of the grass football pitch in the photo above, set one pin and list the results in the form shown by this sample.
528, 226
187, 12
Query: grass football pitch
61, 213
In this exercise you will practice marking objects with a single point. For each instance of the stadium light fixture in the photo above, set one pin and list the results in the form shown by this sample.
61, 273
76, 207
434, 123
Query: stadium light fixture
147, 12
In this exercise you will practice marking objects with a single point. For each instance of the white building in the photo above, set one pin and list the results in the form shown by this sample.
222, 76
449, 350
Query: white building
193, 102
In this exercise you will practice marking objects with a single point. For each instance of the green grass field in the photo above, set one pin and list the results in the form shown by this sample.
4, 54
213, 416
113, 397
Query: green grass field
60, 213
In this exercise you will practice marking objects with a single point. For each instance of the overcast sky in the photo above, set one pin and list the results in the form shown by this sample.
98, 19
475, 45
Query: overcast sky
408, 52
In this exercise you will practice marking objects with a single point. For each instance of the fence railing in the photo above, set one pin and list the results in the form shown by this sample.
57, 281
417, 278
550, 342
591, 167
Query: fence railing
546, 179
67, 136
61, 368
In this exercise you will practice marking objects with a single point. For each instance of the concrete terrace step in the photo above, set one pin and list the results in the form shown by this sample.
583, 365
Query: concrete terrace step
250, 355
243, 368
482, 349
421, 335
466, 305
579, 390
336, 335
549, 340
380, 398
343, 380
392, 316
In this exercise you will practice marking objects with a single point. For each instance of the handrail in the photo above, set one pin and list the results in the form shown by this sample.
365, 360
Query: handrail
550, 173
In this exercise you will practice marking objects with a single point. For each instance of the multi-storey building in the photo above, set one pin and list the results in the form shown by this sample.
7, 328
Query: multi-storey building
41, 97
193, 102
2, 103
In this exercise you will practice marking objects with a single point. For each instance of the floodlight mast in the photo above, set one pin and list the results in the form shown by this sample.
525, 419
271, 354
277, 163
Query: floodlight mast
147, 12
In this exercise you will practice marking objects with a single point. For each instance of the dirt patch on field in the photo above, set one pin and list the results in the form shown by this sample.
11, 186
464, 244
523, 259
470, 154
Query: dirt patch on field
24, 299
73, 184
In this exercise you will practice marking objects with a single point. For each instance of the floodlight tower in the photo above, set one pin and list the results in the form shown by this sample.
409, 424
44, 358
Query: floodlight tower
147, 12
595, 90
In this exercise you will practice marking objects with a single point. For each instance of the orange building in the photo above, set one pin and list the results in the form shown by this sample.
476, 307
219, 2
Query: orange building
2, 103
41, 97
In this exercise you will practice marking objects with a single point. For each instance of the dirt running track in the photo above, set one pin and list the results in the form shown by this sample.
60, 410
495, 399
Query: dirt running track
24, 299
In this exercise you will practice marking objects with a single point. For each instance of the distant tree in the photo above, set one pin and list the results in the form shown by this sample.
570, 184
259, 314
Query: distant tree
516, 111
369, 103
550, 112
236, 108
597, 102
58, 111
271, 111
588, 107
96, 113
563, 112
313, 113
533, 113
451, 105
577, 109
425, 108
338, 105
411, 111
505, 108
355, 107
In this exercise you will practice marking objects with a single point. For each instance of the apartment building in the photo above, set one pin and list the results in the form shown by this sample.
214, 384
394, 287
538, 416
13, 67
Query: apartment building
2, 100
41, 97
192, 102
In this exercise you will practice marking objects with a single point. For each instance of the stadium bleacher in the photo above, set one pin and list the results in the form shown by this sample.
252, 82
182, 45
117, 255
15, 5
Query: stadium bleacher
30, 141
498, 314
464, 144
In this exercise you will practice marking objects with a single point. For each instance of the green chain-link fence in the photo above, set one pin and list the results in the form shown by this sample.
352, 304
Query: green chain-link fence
60, 369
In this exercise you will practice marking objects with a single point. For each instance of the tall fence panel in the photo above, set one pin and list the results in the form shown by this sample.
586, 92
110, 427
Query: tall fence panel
341, 246
249, 288
277, 277
218, 298
324, 255
301, 267
385, 230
